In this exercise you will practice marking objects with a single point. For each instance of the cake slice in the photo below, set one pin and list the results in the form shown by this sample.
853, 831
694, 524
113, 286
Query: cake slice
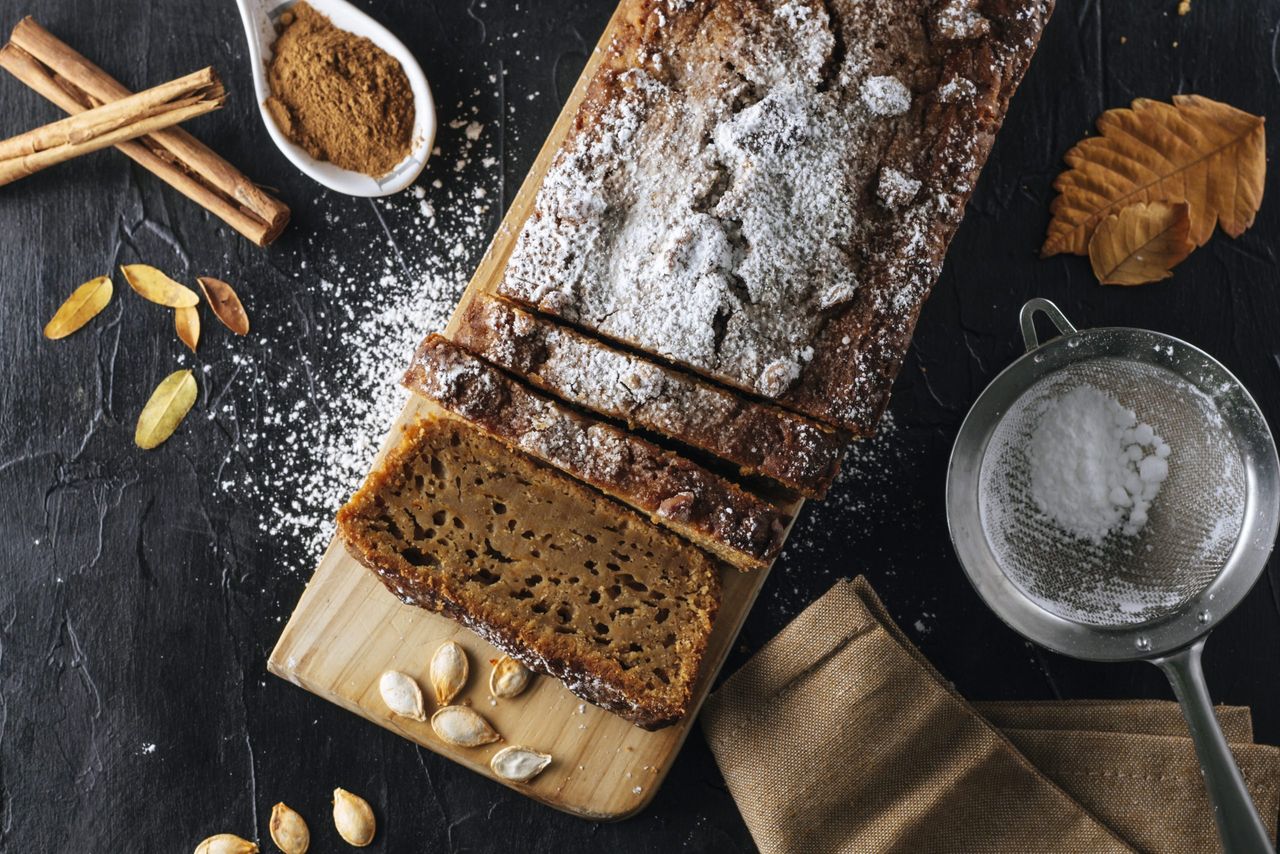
722, 517
757, 438
763, 191
550, 572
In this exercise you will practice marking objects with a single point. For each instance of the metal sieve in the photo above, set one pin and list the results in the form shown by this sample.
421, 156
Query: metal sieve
1150, 596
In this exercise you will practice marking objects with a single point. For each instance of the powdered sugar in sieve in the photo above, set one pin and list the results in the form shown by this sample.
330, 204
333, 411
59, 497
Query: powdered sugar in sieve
1105, 568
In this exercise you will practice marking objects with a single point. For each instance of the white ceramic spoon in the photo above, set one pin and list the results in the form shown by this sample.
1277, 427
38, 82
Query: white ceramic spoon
260, 16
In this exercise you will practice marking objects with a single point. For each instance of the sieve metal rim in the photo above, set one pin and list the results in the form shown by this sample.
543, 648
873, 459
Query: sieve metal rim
1248, 557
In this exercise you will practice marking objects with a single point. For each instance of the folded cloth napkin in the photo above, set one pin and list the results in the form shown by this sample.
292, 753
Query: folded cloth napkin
839, 736
1146, 717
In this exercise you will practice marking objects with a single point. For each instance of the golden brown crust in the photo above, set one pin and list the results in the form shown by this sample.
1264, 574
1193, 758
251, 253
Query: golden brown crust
675, 492
439, 583
759, 439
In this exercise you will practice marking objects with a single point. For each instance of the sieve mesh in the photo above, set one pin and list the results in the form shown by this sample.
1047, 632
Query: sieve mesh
1123, 580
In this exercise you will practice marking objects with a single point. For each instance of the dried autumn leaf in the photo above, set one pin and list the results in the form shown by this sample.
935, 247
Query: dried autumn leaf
225, 304
186, 321
82, 306
151, 284
1195, 150
1141, 244
168, 405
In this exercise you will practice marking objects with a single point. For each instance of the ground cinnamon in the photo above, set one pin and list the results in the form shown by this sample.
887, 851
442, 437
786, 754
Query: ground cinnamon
338, 95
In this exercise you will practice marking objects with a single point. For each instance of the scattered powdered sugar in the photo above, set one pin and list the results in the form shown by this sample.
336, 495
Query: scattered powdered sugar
353, 324
1095, 469
895, 189
886, 95
960, 19
956, 89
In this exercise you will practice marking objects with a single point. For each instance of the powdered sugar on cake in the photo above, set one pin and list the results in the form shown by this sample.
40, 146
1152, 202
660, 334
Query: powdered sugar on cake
724, 205
653, 397
722, 234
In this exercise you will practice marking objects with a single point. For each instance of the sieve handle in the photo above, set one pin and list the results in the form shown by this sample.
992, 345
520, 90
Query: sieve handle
1027, 318
1239, 826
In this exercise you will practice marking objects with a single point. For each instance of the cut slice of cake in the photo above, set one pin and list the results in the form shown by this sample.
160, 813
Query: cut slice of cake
757, 438
550, 572
717, 514
763, 190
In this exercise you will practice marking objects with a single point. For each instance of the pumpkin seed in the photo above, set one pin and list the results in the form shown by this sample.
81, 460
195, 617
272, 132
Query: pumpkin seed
448, 671
463, 726
402, 695
289, 830
509, 678
226, 304
82, 306
168, 405
226, 843
519, 764
353, 817
153, 285
187, 323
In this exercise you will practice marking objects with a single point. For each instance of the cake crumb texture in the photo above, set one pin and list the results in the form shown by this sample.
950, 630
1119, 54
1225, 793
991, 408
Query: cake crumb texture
556, 576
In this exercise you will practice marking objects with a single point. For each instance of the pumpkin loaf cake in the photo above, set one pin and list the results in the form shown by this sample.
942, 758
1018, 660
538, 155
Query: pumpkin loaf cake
551, 572
757, 438
763, 190
722, 517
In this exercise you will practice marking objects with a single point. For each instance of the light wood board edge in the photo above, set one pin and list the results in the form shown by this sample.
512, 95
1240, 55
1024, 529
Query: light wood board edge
310, 626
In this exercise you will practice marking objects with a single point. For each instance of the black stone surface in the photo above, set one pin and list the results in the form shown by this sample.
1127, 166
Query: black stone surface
138, 602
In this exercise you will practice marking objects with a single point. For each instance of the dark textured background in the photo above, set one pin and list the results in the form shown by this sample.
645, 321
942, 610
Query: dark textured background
138, 603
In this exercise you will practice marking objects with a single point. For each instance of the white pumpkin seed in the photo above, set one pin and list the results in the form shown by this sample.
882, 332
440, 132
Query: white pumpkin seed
463, 726
509, 678
402, 695
519, 764
448, 671
289, 830
353, 817
226, 843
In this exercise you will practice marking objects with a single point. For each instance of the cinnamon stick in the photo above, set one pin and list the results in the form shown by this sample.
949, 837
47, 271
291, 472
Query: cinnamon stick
66, 78
102, 127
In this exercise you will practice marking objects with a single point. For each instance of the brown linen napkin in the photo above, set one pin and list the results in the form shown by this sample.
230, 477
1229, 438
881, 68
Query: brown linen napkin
844, 668
1148, 788
1145, 717
836, 737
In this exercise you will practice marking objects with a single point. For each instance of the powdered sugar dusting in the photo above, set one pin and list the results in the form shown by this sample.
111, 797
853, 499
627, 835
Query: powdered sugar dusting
885, 95
726, 236
710, 211
654, 397
358, 318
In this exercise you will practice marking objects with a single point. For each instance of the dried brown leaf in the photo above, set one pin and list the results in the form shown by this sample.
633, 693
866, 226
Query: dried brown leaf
153, 285
1195, 150
225, 304
168, 405
82, 306
186, 321
1141, 244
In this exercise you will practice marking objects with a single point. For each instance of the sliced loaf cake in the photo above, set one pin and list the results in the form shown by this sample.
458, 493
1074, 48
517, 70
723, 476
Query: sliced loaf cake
757, 438
717, 514
552, 573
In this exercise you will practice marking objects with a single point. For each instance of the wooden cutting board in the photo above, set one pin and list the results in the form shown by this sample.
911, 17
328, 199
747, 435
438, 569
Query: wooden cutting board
348, 629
